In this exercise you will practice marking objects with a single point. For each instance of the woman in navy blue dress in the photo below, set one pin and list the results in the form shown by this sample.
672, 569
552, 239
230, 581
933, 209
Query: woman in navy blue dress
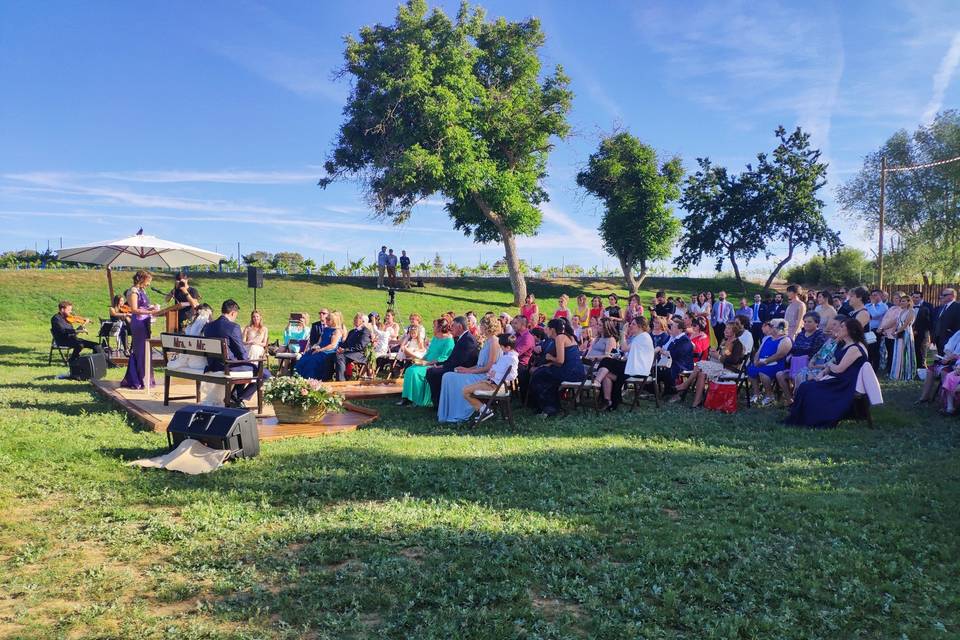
563, 365
822, 403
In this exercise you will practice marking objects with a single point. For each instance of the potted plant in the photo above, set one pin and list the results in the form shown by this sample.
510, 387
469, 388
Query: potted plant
299, 400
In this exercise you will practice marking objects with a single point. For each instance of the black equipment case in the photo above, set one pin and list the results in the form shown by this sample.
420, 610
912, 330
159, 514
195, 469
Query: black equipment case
217, 428
91, 366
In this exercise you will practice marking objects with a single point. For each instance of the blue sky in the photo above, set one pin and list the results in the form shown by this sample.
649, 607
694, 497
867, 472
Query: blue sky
208, 122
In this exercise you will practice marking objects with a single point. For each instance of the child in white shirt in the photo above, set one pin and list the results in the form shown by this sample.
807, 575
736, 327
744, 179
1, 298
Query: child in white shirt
506, 364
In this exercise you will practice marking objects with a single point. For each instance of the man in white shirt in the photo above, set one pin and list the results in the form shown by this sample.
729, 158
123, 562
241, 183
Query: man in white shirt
381, 265
506, 365
746, 337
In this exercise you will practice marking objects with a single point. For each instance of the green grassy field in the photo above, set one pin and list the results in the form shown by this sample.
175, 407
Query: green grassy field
657, 524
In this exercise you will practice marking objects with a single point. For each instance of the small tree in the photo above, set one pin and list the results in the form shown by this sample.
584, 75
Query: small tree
290, 261
637, 227
456, 108
260, 259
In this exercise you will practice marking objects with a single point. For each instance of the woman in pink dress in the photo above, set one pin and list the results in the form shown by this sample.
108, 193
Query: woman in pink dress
529, 309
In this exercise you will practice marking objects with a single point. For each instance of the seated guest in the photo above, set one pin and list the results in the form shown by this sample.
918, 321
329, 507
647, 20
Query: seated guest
562, 364
722, 360
769, 360
699, 338
505, 322
523, 347
679, 304
473, 326
378, 334
634, 308
391, 326
353, 347
417, 320
504, 369
676, 356
638, 362
942, 365
613, 309
226, 327
823, 402
662, 307
562, 307
464, 354
412, 346
255, 336
295, 333
602, 346
316, 329
746, 337
203, 315
120, 312
658, 331
65, 334
453, 405
317, 362
596, 308
416, 391
815, 365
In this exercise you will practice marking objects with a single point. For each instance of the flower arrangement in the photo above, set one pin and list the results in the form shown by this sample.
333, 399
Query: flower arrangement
306, 394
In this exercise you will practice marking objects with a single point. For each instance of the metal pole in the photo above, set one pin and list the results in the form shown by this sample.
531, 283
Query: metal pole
883, 189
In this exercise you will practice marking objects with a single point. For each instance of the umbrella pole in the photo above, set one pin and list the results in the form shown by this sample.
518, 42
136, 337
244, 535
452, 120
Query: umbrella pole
110, 283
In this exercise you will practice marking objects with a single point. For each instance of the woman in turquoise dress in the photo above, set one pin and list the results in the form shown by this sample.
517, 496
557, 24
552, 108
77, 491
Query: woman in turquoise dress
453, 406
317, 363
416, 391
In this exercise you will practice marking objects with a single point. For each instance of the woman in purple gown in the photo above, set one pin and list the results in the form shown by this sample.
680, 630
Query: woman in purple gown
823, 402
140, 313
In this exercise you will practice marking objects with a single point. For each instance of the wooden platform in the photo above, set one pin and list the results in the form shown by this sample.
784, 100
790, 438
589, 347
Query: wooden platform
367, 389
147, 408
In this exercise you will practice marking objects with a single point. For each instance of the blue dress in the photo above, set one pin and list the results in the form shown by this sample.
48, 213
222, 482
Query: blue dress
822, 404
767, 349
453, 406
319, 364
545, 382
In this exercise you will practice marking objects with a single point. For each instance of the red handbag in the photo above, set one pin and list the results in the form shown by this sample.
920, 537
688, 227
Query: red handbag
721, 396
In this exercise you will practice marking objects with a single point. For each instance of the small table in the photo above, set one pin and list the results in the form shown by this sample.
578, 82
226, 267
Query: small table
286, 361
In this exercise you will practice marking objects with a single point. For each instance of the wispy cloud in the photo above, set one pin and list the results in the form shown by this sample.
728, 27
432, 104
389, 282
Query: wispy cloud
941, 79
572, 234
305, 75
225, 176
765, 58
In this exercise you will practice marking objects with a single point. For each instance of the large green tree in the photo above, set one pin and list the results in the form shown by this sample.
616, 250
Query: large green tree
738, 217
722, 209
637, 226
922, 207
456, 107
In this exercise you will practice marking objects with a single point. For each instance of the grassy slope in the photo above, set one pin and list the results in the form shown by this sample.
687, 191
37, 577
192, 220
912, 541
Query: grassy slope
672, 524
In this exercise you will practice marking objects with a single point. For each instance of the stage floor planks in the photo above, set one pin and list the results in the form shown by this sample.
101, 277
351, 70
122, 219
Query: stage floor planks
147, 407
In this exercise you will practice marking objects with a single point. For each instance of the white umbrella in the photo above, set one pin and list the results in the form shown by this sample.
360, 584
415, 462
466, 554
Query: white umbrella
138, 251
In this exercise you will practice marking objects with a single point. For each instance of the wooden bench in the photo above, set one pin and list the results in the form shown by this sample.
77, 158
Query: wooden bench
217, 349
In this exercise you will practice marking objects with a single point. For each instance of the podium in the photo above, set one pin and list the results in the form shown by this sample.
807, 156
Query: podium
173, 320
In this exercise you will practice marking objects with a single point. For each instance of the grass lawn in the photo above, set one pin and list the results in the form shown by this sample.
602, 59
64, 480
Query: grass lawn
657, 524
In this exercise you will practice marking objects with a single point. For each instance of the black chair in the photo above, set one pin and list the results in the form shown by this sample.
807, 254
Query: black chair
740, 378
637, 384
500, 399
63, 350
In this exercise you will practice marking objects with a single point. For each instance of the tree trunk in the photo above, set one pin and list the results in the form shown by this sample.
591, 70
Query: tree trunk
517, 280
776, 270
643, 273
632, 284
736, 272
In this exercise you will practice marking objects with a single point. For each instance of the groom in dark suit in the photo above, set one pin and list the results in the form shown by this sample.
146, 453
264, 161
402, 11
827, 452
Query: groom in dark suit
226, 327
465, 353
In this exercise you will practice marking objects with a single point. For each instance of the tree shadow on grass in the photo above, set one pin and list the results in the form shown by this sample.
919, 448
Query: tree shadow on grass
6, 350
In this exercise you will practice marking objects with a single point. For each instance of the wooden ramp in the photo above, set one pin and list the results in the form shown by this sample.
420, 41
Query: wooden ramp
147, 407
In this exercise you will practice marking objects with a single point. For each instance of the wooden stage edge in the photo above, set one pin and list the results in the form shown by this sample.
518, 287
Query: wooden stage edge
147, 409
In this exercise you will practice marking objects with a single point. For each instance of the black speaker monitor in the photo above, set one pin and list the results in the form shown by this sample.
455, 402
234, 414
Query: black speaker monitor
92, 366
217, 428
254, 278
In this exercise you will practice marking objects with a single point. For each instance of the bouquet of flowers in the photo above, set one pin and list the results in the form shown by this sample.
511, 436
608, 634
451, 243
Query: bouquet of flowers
305, 393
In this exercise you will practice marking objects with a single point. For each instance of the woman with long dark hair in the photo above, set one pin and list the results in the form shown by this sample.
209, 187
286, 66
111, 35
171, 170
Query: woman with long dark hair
141, 311
563, 364
823, 402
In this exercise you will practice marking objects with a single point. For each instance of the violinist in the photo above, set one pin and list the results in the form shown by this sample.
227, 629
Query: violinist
65, 333
120, 310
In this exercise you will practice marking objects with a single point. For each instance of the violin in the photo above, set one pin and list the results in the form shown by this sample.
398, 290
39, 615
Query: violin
75, 319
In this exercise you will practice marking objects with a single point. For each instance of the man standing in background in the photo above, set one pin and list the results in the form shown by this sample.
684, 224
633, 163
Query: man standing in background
722, 314
381, 265
922, 327
391, 269
405, 268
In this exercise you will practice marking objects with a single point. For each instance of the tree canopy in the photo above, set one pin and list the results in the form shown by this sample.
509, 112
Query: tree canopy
922, 207
637, 226
738, 217
455, 107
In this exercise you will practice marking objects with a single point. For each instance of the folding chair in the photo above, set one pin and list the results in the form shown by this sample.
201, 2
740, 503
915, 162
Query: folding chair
500, 399
588, 387
61, 349
740, 378
637, 383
